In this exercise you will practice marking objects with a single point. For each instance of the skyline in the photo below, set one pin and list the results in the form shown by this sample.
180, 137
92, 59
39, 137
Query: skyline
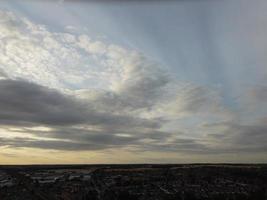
174, 82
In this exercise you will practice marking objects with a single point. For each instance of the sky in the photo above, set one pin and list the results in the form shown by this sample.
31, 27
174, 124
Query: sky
179, 81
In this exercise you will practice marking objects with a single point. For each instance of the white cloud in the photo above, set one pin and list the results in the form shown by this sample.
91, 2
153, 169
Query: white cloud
63, 60
68, 62
115, 78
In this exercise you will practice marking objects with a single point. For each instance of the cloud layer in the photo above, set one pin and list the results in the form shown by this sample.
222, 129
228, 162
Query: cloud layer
70, 92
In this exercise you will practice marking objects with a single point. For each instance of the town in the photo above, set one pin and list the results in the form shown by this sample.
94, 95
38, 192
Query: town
134, 182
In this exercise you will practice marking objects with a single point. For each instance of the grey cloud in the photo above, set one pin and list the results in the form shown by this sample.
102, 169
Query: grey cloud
84, 134
179, 145
84, 140
21, 142
190, 100
124, 1
196, 99
253, 100
145, 84
257, 94
102, 138
236, 139
27, 104
101, 142
3, 74
254, 135
142, 89
241, 138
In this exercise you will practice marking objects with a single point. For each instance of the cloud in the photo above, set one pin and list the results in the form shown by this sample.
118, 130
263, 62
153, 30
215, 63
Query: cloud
2, 74
69, 62
75, 139
30, 51
93, 95
116, 79
75, 126
253, 103
20, 142
27, 104
47, 144
194, 99
256, 96
236, 137
64, 60
83, 90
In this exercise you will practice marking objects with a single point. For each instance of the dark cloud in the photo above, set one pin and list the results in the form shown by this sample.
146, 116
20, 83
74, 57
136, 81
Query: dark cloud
24, 105
28, 104
81, 139
106, 141
72, 137
22, 142
76, 125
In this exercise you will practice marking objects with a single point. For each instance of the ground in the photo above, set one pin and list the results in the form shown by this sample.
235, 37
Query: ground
134, 182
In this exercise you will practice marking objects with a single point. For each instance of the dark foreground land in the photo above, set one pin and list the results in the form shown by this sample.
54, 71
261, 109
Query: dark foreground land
134, 182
